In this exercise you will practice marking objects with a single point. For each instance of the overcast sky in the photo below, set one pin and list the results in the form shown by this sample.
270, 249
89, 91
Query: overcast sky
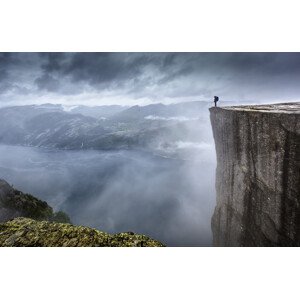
144, 78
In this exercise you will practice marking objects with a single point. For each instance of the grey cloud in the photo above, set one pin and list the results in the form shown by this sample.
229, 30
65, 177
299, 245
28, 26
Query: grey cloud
47, 82
4, 65
151, 75
52, 62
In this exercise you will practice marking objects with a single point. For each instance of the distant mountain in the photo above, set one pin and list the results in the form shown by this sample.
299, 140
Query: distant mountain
48, 128
13, 121
53, 126
98, 111
60, 129
137, 113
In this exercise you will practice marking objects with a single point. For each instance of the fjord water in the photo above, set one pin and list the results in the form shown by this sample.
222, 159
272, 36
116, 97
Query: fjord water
169, 199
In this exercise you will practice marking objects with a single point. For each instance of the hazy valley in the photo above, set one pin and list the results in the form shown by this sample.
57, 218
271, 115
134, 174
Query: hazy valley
147, 169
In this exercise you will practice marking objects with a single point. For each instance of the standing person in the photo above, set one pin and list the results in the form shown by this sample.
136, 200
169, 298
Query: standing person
216, 99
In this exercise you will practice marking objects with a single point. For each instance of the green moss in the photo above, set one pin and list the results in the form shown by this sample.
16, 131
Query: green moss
43, 227
60, 217
24, 232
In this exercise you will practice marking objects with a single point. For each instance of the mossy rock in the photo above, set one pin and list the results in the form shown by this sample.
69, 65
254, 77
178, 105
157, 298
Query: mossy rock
25, 232
32, 223
60, 217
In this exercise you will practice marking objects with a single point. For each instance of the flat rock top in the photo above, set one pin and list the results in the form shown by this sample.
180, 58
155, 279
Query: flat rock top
288, 108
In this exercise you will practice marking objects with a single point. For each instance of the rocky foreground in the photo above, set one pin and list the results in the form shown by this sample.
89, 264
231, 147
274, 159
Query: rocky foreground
28, 232
27, 221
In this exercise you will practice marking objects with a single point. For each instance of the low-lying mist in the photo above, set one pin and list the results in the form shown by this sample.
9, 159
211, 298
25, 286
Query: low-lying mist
167, 193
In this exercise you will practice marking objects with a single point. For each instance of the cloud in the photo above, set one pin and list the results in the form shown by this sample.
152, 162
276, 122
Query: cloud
47, 82
133, 78
173, 118
168, 199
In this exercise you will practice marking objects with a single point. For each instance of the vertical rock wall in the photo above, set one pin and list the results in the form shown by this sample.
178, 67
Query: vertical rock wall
257, 176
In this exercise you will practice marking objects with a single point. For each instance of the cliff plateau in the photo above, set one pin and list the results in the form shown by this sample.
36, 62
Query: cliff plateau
257, 176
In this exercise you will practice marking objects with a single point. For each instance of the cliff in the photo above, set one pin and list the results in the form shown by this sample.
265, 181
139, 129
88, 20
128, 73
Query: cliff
257, 176
24, 232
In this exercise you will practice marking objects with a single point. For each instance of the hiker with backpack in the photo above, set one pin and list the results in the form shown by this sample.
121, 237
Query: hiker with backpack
216, 99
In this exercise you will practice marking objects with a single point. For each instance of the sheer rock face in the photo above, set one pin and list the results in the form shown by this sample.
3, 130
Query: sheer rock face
257, 176
24, 232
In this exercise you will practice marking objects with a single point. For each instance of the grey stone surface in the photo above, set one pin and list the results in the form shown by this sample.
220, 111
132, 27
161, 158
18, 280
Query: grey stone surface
257, 176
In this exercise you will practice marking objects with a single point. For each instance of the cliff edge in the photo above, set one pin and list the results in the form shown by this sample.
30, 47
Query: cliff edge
257, 176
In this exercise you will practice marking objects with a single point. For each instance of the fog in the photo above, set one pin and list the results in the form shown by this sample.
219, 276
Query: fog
168, 198
176, 118
164, 186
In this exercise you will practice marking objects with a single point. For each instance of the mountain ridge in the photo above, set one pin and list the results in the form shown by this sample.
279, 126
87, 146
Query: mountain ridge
49, 126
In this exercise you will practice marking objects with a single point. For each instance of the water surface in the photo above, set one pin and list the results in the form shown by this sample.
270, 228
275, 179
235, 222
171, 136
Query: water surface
168, 199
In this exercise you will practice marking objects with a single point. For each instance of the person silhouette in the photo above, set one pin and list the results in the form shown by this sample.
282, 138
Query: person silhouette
216, 99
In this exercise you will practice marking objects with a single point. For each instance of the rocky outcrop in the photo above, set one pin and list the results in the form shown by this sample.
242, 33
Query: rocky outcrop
14, 203
28, 232
43, 227
257, 176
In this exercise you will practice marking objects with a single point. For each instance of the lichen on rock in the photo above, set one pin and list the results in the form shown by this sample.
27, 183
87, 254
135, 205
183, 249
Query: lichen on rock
25, 232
